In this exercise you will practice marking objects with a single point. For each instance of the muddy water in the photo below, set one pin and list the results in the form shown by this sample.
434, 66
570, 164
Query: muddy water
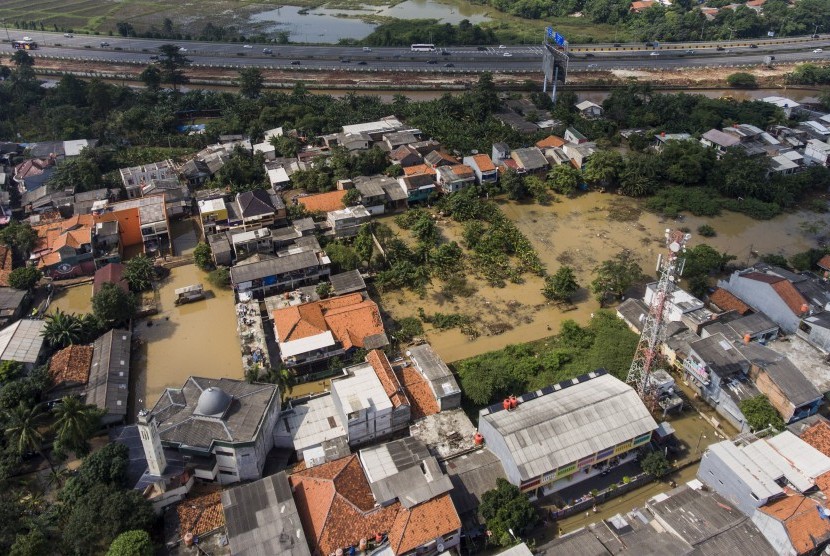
578, 232
195, 339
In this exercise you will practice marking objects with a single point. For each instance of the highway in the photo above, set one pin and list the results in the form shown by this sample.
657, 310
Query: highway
509, 58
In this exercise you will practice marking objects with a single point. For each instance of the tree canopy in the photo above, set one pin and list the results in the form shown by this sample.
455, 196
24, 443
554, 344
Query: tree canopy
113, 306
760, 414
507, 512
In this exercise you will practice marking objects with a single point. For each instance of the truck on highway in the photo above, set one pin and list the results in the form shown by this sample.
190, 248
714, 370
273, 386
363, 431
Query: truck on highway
25, 44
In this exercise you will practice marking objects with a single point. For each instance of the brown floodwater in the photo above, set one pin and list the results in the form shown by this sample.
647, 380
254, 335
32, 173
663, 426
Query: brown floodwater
579, 232
195, 339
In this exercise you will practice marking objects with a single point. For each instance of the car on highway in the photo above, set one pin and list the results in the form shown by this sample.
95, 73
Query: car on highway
182, 49
649, 44
690, 51
445, 52
593, 65
753, 46
589, 55
247, 46
361, 63
345, 61
814, 37
68, 35
449, 65
507, 54
481, 48
104, 44
817, 51
154, 57
720, 49
267, 51
432, 61
27, 38
617, 45
654, 53
295, 63
502, 46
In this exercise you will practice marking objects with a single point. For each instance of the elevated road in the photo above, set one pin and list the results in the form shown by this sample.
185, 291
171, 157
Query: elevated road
507, 58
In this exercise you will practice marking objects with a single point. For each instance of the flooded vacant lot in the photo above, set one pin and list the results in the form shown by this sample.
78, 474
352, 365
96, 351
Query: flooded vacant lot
195, 339
581, 233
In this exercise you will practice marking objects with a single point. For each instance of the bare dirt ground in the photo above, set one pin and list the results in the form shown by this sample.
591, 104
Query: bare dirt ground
684, 77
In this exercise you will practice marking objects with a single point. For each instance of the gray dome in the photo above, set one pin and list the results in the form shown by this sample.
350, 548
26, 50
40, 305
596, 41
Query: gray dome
213, 402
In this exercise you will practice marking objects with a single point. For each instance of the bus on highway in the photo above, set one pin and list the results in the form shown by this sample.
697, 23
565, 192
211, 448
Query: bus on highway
422, 48
24, 45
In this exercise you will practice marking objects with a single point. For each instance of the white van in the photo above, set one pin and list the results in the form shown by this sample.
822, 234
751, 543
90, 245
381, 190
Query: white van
366, 49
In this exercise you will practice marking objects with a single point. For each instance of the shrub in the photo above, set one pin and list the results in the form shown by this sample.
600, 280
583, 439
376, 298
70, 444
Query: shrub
25, 278
220, 277
742, 80
706, 230
203, 257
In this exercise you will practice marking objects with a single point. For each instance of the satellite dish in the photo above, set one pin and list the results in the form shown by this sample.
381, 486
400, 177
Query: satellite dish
674, 247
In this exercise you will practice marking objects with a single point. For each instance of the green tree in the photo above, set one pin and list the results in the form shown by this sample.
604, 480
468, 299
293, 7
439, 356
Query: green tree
139, 273
603, 168
131, 543
10, 370
514, 185
655, 464
20, 237
75, 422
79, 173
151, 77
285, 145
172, 63
742, 80
25, 278
425, 230
506, 509
250, 82
220, 277
364, 245
342, 256
33, 543
203, 256
24, 429
565, 179
616, 275
62, 329
113, 306
126, 510
324, 290
538, 189
561, 286
352, 197
760, 414
408, 328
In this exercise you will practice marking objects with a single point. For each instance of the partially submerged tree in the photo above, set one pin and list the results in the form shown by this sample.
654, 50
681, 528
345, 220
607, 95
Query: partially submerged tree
113, 306
616, 275
560, 286
139, 273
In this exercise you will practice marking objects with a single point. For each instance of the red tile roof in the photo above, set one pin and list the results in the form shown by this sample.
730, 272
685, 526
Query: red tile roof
73, 232
112, 273
640, 5
201, 514
350, 318
337, 509
418, 169
421, 398
379, 362
323, 202
803, 522
818, 436
824, 262
784, 288
71, 364
726, 301
484, 163
550, 141
5, 265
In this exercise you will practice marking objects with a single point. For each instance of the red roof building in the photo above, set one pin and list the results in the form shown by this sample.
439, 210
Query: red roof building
112, 273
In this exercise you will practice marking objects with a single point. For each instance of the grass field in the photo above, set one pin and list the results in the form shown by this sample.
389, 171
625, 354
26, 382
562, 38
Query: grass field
190, 16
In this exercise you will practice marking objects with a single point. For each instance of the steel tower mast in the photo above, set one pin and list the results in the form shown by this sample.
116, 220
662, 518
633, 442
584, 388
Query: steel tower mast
669, 269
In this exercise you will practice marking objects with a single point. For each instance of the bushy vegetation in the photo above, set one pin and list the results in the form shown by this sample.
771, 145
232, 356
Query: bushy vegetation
605, 342
410, 31
760, 414
507, 512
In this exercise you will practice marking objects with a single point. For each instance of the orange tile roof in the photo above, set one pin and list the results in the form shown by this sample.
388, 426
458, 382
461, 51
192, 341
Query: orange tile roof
484, 163
421, 398
756, 3
323, 202
824, 262
641, 5
201, 514
350, 319
423, 523
71, 364
5, 265
726, 301
818, 436
784, 288
337, 509
379, 362
800, 515
73, 232
550, 141
418, 169
461, 170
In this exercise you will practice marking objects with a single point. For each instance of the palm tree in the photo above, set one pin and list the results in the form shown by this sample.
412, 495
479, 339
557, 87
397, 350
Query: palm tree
23, 426
62, 329
74, 422
284, 378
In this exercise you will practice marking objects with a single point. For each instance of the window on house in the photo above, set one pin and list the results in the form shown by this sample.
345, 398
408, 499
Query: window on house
753, 496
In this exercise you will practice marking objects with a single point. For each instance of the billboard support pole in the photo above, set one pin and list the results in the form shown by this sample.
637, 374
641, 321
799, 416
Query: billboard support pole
553, 89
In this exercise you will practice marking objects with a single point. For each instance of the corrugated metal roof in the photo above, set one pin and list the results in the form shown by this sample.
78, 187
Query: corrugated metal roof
567, 424
22, 341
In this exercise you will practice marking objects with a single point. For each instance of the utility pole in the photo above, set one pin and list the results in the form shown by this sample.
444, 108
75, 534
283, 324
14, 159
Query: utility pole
6, 27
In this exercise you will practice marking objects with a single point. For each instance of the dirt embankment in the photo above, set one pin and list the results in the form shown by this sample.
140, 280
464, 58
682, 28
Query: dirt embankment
285, 78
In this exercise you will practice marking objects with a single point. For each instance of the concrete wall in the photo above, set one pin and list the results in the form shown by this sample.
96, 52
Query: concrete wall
775, 533
818, 337
494, 441
762, 297
720, 478
452, 401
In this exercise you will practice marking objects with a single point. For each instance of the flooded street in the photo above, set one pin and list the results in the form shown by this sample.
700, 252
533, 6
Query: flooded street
580, 233
196, 339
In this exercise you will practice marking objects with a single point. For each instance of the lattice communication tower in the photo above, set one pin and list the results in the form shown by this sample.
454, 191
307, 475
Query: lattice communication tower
669, 269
